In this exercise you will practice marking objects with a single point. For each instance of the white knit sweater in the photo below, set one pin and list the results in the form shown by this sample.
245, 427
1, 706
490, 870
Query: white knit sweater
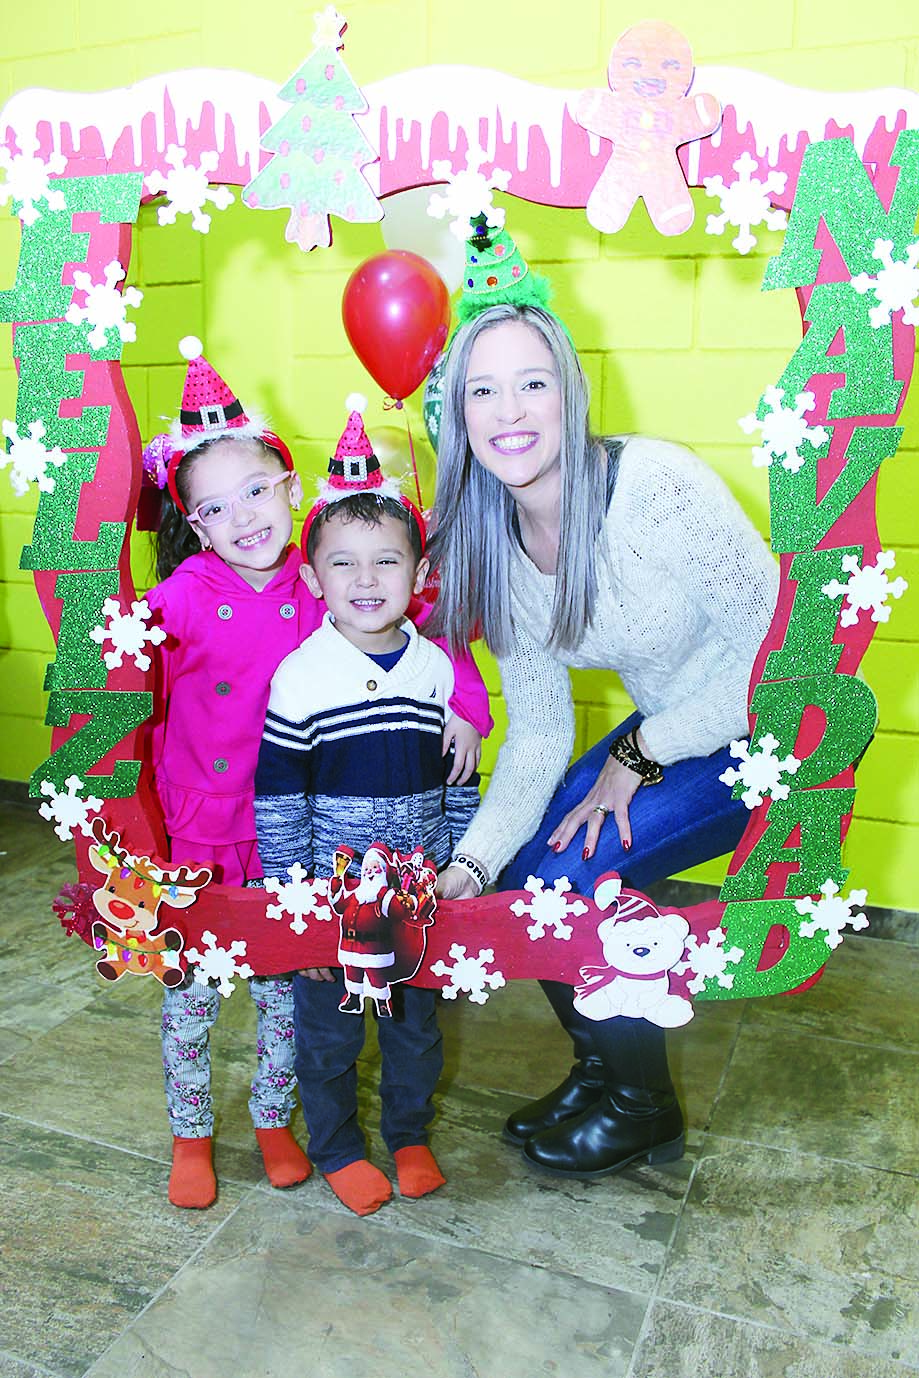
687, 588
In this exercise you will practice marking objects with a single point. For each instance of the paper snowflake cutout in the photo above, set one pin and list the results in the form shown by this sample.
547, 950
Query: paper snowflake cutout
186, 189
866, 588
219, 963
27, 181
298, 896
328, 28
784, 430
760, 770
29, 459
105, 308
896, 287
548, 908
468, 194
68, 809
128, 633
745, 202
831, 914
708, 960
468, 974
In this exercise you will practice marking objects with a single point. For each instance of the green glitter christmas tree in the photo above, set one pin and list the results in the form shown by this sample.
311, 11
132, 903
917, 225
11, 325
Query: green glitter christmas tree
318, 149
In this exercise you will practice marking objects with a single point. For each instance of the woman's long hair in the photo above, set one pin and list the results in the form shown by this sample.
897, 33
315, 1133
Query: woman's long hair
472, 546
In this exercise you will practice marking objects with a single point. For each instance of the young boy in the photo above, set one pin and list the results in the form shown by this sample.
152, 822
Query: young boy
351, 757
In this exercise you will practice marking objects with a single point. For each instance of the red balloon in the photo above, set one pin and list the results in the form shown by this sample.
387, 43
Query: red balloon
396, 312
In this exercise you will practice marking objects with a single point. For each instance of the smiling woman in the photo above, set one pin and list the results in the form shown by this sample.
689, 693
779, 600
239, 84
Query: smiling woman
619, 553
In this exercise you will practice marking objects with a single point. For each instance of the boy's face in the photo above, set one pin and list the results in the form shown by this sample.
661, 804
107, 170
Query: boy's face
367, 575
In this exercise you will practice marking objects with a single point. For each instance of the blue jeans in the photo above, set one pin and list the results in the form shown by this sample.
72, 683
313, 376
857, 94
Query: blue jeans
688, 818
328, 1045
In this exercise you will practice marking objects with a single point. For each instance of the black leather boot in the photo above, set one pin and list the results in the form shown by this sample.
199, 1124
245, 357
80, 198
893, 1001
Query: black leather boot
582, 1088
626, 1125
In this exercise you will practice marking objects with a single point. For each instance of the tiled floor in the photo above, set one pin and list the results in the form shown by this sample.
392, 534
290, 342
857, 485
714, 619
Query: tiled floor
785, 1244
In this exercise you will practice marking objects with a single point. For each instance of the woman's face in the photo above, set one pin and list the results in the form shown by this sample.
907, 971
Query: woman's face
513, 406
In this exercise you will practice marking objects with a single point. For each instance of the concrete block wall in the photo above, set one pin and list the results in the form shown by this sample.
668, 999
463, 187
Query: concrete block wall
677, 338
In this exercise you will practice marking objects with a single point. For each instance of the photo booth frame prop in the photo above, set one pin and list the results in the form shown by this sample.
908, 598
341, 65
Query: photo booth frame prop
844, 169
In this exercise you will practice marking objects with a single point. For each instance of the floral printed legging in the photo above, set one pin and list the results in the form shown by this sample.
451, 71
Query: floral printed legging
189, 1012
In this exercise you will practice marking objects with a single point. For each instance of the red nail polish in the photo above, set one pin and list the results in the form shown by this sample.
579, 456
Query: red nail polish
556, 846
627, 845
585, 855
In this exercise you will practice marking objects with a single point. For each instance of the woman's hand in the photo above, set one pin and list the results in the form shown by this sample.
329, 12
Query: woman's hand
455, 883
317, 973
611, 794
467, 749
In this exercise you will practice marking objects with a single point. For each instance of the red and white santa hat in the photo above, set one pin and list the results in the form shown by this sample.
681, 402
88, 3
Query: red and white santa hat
211, 411
354, 468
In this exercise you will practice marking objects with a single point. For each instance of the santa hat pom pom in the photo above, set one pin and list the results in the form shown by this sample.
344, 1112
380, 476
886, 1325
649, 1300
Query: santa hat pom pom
190, 347
356, 401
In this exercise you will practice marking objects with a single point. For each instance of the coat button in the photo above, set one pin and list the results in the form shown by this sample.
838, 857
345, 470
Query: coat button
220, 765
224, 612
288, 610
222, 687
371, 684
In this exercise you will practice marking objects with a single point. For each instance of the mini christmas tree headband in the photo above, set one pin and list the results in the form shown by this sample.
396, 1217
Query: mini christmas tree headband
353, 469
496, 271
210, 411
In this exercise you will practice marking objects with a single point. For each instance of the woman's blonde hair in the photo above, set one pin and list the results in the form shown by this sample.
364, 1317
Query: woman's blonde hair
473, 541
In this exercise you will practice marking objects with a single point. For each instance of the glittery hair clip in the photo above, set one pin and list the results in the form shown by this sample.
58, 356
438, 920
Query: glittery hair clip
155, 460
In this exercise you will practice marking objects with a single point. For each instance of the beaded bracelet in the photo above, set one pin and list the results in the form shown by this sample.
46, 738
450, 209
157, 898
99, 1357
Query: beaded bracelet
627, 752
475, 869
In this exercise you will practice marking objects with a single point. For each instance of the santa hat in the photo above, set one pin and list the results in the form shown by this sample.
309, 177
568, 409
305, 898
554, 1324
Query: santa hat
211, 411
354, 468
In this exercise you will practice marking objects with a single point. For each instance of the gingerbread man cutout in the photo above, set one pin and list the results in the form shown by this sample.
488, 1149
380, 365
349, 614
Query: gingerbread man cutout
647, 113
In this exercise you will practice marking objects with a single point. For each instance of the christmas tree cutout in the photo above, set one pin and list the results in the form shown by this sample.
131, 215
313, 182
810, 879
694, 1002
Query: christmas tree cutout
318, 149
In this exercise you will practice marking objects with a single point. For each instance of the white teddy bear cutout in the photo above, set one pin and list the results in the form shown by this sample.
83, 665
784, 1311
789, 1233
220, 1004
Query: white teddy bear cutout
640, 947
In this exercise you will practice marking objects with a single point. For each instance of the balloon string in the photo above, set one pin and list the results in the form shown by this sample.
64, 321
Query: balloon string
390, 402
411, 450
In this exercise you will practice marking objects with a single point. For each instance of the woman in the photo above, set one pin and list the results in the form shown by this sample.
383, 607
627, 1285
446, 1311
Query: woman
626, 554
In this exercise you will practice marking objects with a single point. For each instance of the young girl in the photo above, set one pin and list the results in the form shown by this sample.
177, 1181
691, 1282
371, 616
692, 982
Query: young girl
233, 606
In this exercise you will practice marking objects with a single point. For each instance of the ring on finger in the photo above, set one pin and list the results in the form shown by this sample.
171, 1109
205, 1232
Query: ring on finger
601, 809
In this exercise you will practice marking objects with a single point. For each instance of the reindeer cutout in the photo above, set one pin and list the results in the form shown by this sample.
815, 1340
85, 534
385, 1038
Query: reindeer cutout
128, 901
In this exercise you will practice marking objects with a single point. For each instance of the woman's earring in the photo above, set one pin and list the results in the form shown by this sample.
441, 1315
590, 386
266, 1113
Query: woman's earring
295, 505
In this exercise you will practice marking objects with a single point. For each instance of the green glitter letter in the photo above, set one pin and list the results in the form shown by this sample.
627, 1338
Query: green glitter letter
818, 813
870, 388
113, 714
53, 546
799, 521
851, 714
747, 927
834, 186
79, 663
808, 647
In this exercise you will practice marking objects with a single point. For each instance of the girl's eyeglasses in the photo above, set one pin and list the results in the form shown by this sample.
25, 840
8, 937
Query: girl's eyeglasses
253, 494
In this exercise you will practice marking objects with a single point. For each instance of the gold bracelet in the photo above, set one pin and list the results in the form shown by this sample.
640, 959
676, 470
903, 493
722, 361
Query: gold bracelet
628, 753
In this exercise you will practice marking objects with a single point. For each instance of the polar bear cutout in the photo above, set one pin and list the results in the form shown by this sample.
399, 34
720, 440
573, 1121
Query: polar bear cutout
640, 947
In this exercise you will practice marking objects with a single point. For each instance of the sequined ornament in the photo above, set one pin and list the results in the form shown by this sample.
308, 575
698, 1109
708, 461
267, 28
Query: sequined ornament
818, 813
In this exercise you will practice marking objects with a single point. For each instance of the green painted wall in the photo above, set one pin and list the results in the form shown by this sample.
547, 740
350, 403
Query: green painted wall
676, 336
